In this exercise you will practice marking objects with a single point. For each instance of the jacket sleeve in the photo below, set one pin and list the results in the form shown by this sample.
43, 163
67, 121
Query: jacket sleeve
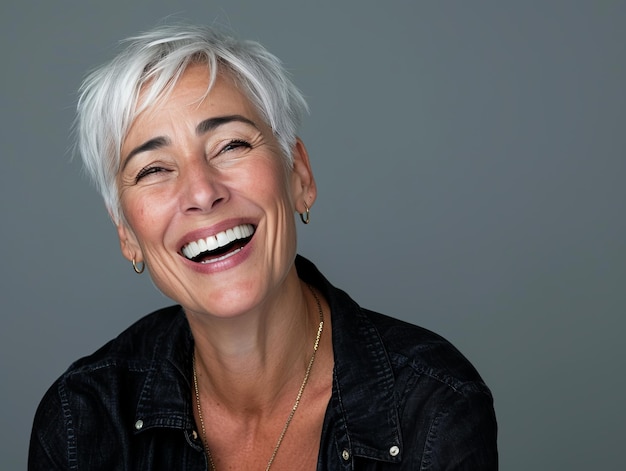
463, 433
51, 437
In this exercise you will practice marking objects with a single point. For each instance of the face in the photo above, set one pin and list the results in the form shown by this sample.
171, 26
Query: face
208, 202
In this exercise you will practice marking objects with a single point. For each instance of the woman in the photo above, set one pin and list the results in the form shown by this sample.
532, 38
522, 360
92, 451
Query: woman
190, 137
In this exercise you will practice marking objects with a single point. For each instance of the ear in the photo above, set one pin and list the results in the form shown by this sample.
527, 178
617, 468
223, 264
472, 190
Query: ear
303, 187
128, 242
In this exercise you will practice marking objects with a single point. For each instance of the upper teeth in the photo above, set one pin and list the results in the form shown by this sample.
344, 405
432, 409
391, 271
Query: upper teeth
193, 249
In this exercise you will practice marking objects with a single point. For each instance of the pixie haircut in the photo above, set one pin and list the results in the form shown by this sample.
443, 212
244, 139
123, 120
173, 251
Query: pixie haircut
154, 61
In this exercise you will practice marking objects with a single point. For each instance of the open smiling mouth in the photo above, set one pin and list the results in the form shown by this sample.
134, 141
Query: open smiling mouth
219, 246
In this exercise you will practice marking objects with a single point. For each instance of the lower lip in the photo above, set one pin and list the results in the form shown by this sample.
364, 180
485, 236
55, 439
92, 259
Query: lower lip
226, 262
224, 257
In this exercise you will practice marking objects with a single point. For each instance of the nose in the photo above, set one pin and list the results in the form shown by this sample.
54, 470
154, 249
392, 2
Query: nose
201, 188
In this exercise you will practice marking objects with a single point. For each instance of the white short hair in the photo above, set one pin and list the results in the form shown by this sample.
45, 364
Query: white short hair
108, 101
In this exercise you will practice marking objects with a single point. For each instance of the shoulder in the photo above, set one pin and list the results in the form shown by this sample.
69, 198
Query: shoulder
399, 384
87, 396
136, 344
424, 352
445, 406
360, 333
149, 341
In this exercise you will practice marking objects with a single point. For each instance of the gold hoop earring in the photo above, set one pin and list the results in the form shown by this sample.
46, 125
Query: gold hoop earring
306, 216
138, 270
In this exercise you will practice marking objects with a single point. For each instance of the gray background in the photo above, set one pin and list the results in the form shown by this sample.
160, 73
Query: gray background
470, 162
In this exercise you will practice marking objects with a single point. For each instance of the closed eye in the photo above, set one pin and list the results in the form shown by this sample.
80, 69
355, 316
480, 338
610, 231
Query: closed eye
236, 144
149, 170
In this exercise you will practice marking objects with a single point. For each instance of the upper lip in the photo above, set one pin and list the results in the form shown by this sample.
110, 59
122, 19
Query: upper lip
202, 240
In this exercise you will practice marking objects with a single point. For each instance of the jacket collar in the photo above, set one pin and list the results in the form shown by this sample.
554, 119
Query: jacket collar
165, 399
363, 386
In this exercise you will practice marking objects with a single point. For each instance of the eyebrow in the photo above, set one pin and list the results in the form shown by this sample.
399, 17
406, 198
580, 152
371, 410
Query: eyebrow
205, 126
212, 123
152, 144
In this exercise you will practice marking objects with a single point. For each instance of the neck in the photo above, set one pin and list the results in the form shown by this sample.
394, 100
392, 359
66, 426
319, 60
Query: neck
252, 362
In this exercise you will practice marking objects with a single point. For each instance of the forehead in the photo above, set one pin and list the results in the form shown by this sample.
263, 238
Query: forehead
191, 100
193, 91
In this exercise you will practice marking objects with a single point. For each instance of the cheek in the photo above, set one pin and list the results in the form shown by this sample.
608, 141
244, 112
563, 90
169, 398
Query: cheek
146, 216
272, 181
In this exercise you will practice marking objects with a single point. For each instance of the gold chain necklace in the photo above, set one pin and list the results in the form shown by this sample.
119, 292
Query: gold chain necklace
293, 409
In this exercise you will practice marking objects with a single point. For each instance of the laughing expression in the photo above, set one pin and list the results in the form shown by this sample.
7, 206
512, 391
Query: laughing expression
207, 199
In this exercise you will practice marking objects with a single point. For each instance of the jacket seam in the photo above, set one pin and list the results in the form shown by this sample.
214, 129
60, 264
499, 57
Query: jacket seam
72, 446
451, 382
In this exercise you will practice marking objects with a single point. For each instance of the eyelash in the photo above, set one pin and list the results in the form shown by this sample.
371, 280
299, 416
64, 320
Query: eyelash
232, 145
235, 143
144, 172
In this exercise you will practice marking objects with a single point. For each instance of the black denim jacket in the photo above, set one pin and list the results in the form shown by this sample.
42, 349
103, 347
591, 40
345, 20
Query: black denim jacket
403, 398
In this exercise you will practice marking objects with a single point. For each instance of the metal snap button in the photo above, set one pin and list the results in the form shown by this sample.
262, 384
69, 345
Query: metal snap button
345, 454
394, 450
139, 424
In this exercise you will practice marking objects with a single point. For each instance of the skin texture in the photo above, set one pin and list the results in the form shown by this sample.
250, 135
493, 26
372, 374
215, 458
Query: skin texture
196, 164
198, 183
